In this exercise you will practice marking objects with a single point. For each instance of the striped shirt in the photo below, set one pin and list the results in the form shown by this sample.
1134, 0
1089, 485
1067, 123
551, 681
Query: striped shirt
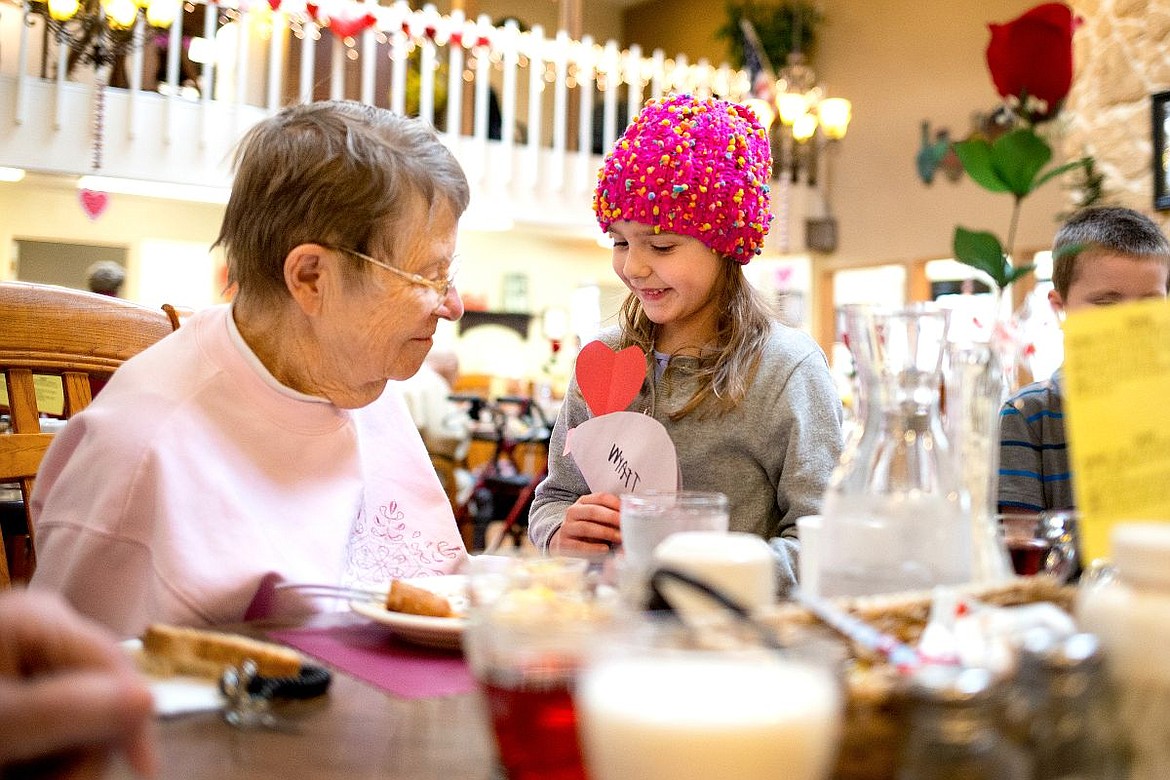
1034, 470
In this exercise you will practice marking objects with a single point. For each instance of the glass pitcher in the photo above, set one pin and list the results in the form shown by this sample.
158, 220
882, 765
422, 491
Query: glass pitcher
896, 515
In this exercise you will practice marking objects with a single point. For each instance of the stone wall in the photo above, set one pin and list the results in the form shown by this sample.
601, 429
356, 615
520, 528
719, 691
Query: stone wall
1121, 59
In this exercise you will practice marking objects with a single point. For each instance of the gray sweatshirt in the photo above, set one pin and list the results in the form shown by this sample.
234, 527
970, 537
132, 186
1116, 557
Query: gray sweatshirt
772, 455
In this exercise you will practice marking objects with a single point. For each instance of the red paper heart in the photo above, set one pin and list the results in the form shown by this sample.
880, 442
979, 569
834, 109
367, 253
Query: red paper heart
94, 202
609, 380
348, 28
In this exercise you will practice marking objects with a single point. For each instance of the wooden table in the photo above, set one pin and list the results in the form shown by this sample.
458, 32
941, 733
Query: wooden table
356, 731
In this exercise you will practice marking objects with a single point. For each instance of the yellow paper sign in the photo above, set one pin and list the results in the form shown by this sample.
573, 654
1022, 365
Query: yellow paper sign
1117, 419
49, 391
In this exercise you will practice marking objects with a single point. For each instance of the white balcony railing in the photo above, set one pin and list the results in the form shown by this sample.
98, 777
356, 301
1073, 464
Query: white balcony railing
525, 113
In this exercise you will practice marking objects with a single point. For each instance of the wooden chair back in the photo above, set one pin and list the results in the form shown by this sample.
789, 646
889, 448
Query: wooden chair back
48, 335
177, 314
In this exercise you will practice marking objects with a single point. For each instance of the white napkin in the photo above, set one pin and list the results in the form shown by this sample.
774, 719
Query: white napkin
179, 694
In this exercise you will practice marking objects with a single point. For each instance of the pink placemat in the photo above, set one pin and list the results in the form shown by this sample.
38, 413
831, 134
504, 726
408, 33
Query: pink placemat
371, 653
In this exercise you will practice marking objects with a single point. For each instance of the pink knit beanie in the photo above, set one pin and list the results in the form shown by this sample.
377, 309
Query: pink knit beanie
695, 166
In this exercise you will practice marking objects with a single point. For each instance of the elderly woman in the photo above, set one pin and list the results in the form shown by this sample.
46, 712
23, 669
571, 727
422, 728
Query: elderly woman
260, 440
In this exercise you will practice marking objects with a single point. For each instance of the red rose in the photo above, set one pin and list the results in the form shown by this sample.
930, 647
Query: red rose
1032, 57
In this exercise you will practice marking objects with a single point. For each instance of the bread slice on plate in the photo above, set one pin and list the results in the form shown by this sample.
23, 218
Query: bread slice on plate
202, 653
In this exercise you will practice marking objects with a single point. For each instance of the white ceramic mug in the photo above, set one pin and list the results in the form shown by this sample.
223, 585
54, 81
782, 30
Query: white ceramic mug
808, 565
740, 565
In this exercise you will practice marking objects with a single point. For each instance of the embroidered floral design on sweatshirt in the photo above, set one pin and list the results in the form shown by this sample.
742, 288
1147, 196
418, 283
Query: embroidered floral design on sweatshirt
384, 547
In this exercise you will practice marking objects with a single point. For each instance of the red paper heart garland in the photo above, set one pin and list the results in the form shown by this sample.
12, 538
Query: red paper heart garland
609, 380
342, 20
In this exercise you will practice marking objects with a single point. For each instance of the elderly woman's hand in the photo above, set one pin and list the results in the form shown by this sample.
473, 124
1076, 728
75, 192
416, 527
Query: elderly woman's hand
591, 526
69, 696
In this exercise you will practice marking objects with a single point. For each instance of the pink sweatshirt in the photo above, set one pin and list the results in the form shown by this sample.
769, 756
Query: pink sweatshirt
195, 474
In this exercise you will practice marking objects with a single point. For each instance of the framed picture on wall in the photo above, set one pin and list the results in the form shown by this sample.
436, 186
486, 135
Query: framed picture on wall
1161, 122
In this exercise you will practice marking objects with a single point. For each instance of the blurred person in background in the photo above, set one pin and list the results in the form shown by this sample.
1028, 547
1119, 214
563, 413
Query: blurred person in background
1101, 257
105, 277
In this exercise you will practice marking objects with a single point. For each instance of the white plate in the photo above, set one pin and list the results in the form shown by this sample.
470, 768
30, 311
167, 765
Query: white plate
442, 632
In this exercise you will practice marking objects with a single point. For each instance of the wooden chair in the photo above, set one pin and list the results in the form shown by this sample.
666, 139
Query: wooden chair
56, 333
177, 314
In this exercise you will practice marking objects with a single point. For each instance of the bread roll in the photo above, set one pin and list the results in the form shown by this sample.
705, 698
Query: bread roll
416, 601
177, 650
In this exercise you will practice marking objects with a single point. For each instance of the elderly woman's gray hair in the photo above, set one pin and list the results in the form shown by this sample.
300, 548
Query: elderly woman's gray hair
332, 172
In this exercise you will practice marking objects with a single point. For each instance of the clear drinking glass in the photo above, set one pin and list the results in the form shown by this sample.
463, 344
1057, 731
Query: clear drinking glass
529, 621
1043, 543
648, 518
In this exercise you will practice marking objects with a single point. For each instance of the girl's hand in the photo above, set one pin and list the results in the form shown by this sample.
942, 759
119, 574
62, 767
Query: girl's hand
591, 526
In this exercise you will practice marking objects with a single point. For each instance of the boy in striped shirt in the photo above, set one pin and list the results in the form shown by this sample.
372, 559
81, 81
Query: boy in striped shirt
1101, 256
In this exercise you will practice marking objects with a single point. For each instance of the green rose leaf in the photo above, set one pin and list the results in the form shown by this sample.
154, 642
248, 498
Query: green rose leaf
1015, 272
976, 156
982, 250
1017, 158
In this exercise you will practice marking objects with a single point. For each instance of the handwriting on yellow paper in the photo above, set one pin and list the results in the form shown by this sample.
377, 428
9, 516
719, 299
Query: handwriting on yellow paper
1116, 386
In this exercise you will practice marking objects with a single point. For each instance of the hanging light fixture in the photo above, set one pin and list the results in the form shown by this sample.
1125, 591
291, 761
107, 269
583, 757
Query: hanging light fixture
800, 117
802, 122
98, 31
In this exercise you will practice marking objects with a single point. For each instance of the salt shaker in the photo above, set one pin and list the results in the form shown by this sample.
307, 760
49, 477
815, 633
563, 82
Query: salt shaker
1130, 612
953, 735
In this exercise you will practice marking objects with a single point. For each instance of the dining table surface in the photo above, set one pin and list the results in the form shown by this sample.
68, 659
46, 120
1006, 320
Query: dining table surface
356, 730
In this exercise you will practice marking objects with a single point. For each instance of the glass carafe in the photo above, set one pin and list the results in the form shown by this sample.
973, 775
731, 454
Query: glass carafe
896, 515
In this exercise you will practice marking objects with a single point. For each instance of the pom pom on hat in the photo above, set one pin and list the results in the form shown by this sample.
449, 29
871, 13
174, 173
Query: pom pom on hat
695, 166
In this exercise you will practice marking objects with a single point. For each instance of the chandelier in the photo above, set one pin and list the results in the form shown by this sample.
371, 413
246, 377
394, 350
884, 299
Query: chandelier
800, 119
99, 31
801, 123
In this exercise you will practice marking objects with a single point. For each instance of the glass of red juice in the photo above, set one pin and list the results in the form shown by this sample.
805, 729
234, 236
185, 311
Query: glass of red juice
1041, 543
529, 624
534, 721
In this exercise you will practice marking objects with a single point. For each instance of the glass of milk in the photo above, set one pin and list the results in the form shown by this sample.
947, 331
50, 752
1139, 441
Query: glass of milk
675, 710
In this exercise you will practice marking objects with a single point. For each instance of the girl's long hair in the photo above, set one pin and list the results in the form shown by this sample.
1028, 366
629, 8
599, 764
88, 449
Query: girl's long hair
728, 365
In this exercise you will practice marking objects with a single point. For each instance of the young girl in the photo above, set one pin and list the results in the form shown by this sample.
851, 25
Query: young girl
748, 402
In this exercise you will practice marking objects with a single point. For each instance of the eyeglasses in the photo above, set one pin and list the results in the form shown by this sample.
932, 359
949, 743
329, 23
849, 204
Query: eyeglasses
441, 286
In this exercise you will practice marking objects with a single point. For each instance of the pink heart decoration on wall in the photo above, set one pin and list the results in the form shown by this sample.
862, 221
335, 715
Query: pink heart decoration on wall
609, 380
94, 202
